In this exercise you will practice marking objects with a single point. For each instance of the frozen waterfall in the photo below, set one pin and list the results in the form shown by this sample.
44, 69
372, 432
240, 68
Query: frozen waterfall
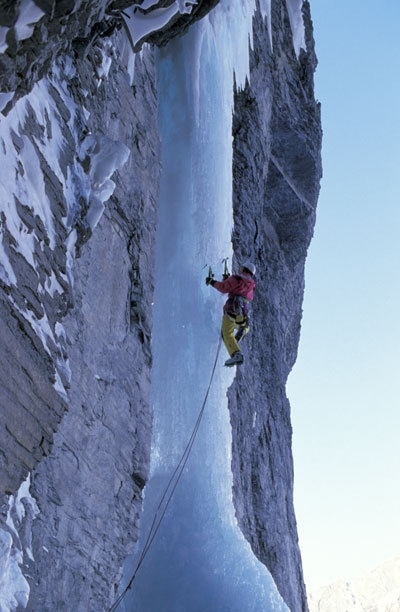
199, 559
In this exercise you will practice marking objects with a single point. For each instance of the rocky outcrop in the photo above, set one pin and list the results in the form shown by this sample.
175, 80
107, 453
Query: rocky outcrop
78, 299
277, 171
90, 488
190, 12
76, 286
33, 34
36, 287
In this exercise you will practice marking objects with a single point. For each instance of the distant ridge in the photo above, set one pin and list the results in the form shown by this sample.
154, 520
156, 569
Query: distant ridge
376, 591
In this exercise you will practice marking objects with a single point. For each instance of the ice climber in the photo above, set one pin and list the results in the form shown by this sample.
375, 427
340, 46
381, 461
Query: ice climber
240, 288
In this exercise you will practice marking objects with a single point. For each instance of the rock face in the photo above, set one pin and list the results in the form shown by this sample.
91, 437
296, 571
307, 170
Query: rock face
275, 197
76, 287
92, 481
90, 484
55, 27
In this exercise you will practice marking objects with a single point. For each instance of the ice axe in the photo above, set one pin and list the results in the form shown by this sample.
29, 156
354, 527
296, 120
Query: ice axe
225, 274
210, 276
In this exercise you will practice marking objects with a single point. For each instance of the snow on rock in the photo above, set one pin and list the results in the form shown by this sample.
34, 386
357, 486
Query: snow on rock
15, 543
106, 54
127, 56
14, 588
265, 8
89, 515
3, 34
294, 8
102, 156
142, 24
50, 203
29, 15
32, 146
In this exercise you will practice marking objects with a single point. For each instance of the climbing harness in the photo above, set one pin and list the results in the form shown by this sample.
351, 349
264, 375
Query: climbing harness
171, 486
237, 306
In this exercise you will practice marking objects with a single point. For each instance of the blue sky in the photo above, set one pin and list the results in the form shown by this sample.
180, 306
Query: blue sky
344, 388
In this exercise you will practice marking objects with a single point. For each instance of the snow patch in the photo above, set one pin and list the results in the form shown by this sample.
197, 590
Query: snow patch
14, 588
52, 286
15, 542
70, 255
5, 97
6, 271
22, 177
265, 8
295, 10
59, 386
126, 53
3, 34
142, 24
29, 15
32, 188
23, 184
146, 4
104, 157
107, 53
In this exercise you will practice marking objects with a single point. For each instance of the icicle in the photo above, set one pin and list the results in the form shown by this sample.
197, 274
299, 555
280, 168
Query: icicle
294, 8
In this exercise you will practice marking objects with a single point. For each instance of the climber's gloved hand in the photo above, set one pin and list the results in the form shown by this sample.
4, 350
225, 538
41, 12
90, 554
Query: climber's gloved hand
225, 276
210, 280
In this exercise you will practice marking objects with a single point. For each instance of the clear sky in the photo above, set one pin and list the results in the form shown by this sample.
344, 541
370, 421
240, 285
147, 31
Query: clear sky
344, 389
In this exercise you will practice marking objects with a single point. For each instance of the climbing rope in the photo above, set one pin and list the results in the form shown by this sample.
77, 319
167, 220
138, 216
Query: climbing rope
169, 489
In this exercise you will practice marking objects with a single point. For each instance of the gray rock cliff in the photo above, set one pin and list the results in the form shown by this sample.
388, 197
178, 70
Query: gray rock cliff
277, 170
88, 523
76, 288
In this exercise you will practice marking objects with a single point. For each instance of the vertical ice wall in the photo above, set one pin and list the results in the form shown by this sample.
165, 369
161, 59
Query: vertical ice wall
199, 559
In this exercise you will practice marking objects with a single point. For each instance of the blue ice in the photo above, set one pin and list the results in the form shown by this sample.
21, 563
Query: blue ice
199, 560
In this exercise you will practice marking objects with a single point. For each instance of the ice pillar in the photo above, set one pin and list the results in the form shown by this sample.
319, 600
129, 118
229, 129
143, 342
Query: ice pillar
199, 560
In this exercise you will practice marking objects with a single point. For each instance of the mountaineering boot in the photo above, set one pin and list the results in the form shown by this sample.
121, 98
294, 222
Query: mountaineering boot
236, 359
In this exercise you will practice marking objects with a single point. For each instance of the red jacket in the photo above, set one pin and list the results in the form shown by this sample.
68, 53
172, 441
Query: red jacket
237, 286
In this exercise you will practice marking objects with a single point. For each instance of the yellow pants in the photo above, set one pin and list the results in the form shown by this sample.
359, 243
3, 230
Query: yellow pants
229, 324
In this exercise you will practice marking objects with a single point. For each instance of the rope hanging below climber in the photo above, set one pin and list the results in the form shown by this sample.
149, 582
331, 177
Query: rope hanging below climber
169, 490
